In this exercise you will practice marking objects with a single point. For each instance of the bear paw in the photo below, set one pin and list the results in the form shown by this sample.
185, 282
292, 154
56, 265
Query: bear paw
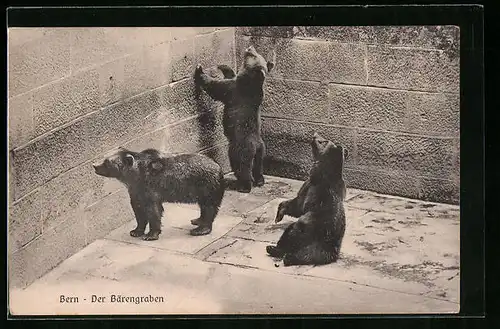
201, 230
150, 236
259, 182
196, 221
274, 251
289, 260
136, 233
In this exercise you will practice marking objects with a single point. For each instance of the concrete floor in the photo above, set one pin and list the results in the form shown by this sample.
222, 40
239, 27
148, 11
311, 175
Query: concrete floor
398, 256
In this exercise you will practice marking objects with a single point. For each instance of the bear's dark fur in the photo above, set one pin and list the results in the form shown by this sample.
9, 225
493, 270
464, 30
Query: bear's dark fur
242, 96
316, 237
153, 178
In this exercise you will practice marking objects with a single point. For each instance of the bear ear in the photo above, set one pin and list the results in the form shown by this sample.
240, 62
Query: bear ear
271, 63
129, 159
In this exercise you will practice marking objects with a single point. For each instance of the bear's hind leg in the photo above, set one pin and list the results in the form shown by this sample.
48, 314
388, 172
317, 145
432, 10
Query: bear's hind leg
140, 217
312, 254
246, 152
258, 165
205, 222
154, 213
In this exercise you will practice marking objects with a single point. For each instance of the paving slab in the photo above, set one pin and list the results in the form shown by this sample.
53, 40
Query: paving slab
183, 285
398, 256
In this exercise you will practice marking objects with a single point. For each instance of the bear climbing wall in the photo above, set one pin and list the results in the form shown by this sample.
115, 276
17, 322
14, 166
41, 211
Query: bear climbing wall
389, 94
74, 95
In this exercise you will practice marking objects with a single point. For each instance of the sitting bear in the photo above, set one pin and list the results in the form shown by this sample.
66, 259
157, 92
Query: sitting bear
316, 237
242, 96
153, 178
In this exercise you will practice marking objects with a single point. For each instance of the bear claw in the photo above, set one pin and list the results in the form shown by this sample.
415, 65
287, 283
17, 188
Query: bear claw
136, 233
151, 236
201, 230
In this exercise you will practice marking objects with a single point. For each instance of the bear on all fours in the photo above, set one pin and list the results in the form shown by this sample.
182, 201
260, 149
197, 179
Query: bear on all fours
316, 237
152, 178
242, 96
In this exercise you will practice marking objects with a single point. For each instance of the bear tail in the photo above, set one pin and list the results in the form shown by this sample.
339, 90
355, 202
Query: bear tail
226, 71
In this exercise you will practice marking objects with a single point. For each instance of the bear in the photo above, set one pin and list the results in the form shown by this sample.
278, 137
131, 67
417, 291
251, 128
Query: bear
242, 95
153, 178
316, 237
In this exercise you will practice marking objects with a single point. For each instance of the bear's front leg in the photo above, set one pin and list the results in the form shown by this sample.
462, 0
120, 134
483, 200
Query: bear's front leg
218, 89
154, 211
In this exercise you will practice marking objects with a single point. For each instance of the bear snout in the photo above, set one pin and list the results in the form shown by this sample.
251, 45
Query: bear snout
99, 169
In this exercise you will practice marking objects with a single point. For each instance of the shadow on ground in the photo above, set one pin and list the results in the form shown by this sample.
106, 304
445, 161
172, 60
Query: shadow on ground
398, 256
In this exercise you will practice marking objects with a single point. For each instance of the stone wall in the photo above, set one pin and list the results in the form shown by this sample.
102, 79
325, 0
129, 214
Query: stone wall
389, 94
76, 94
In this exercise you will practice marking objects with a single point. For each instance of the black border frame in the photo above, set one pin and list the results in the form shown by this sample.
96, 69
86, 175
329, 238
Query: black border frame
468, 17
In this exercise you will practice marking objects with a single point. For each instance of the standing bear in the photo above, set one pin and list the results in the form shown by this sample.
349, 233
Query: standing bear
242, 96
153, 178
316, 237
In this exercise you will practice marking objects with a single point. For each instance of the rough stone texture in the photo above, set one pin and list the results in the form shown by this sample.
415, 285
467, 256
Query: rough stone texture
39, 61
377, 80
24, 221
64, 100
67, 195
75, 95
310, 60
106, 215
446, 38
393, 182
182, 59
20, 119
215, 48
146, 70
46, 252
45, 158
413, 69
415, 154
394, 249
300, 100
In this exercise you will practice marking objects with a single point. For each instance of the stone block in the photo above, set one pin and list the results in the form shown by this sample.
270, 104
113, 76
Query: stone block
46, 252
368, 107
310, 59
45, 158
201, 132
145, 70
434, 114
67, 195
412, 69
394, 110
64, 100
182, 59
18, 36
427, 156
443, 37
24, 221
122, 122
291, 140
20, 112
215, 48
95, 45
106, 215
299, 100
38, 62
111, 82
394, 183
440, 190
